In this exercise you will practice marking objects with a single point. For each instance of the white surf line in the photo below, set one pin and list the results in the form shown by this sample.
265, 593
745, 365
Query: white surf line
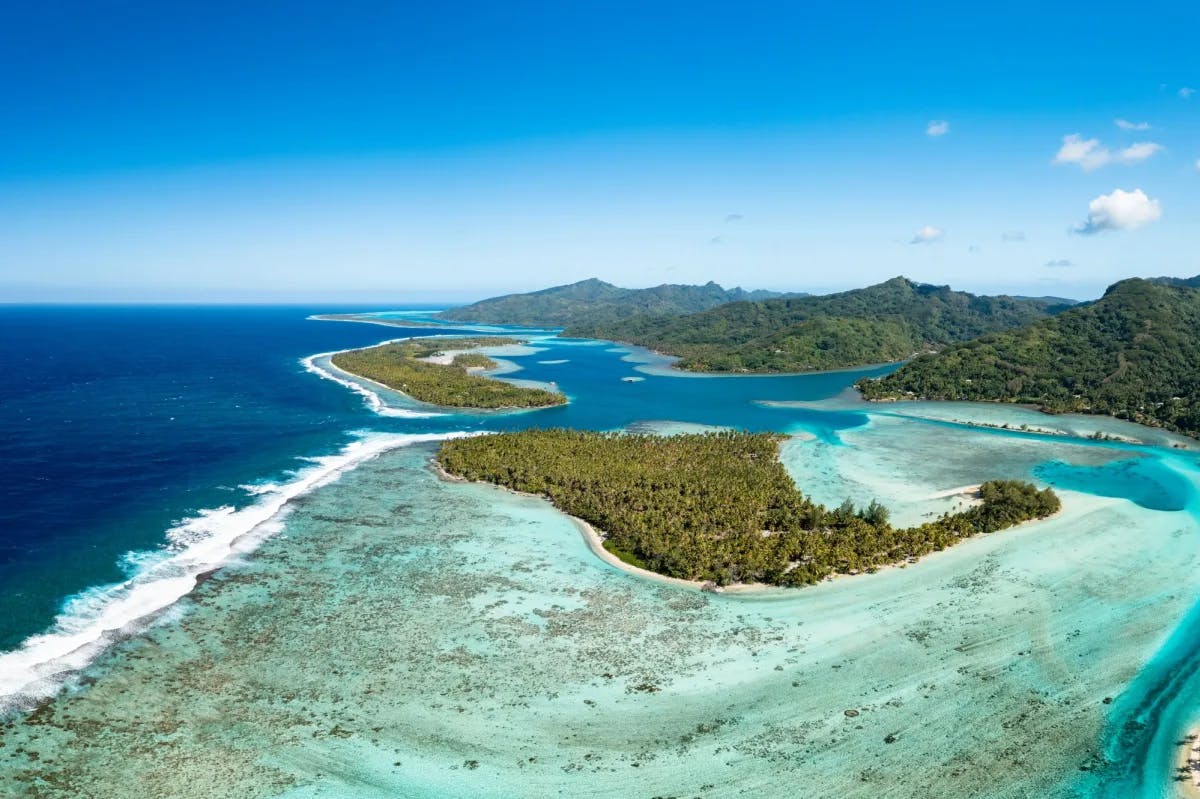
373, 399
93, 619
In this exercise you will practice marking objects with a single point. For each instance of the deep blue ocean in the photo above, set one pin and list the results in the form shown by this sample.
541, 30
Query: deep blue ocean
118, 422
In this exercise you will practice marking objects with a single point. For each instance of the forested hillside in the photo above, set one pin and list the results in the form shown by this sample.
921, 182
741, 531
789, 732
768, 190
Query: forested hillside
594, 302
1133, 354
887, 322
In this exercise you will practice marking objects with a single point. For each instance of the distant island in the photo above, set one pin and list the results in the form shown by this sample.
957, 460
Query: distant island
594, 302
1133, 354
439, 371
373, 320
718, 507
888, 322
736, 331
1130, 354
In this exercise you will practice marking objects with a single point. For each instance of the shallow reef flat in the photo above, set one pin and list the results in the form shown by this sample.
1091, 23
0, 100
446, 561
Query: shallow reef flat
410, 637
912, 464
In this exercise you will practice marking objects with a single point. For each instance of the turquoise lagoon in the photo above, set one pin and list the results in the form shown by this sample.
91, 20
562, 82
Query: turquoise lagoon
400, 636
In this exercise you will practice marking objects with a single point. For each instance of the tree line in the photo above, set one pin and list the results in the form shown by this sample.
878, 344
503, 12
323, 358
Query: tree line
719, 506
398, 366
1132, 354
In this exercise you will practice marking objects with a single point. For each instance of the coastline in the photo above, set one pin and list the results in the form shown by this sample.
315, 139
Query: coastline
1187, 771
669, 369
355, 382
444, 409
595, 541
373, 399
961, 491
864, 617
414, 325
1192, 440
195, 548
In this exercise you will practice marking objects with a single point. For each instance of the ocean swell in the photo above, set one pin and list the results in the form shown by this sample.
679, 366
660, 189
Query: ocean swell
94, 619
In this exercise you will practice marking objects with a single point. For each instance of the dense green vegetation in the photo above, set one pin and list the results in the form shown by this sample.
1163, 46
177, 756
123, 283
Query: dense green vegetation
1133, 354
397, 366
717, 506
427, 346
474, 360
595, 302
1186, 282
888, 322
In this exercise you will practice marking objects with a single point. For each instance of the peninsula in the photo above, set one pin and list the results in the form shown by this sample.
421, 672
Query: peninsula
441, 371
720, 506
372, 319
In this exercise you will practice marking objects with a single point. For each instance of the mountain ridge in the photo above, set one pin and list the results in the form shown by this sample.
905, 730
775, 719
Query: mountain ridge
594, 301
1131, 354
890, 321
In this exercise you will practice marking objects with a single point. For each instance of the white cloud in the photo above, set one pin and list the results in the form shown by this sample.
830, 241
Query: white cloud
1012, 235
1121, 210
927, 235
1186, 92
937, 127
1089, 154
1125, 124
1198, 164
1058, 263
734, 217
1138, 152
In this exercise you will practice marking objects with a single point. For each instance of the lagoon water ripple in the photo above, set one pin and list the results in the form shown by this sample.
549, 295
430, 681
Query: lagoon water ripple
403, 636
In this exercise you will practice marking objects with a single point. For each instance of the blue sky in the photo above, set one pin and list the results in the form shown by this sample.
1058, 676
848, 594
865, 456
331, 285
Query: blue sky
405, 151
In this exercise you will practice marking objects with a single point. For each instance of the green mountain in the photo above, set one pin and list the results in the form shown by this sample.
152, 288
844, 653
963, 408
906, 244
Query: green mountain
1187, 282
594, 302
888, 322
1134, 354
1063, 301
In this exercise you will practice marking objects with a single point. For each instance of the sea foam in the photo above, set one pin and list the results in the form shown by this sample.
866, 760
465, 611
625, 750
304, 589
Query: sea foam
99, 616
374, 401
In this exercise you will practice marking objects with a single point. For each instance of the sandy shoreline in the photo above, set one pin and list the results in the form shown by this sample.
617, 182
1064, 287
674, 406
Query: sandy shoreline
670, 369
356, 383
412, 325
1181, 441
376, 402
595, 541
446, 357
961, 491
1187, 770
